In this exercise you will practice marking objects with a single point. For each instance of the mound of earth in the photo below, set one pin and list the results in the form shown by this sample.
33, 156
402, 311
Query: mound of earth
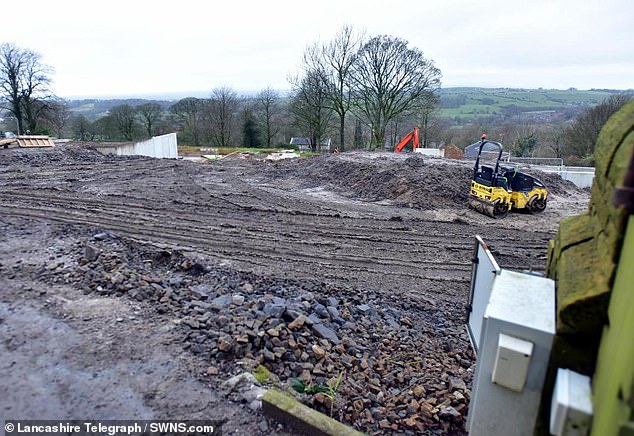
402, 180
37, 157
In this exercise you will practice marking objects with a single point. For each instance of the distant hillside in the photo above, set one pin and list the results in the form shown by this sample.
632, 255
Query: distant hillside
96, 108
460, 105
467, 105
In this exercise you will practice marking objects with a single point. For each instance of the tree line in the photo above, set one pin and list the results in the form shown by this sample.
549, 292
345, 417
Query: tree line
361, 92
224, 119
375, 82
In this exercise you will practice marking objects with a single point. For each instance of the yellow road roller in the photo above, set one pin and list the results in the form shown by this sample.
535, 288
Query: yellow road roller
495, 190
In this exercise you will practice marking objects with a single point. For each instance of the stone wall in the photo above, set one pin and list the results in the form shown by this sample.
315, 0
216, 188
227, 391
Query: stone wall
584, 256
613, 382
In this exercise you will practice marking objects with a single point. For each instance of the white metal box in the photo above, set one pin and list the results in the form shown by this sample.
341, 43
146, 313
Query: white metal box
571, 409
484, 271
511, 362
521, 306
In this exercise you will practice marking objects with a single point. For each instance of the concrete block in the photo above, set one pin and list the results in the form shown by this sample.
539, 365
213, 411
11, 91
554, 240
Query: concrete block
302, 418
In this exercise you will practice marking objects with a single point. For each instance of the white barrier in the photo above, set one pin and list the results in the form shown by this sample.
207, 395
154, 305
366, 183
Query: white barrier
431, 152
164, 146
582, 177
484, 269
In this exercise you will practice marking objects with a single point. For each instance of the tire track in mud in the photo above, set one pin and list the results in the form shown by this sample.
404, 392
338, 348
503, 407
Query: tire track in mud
309, 244
250, 231
258, 218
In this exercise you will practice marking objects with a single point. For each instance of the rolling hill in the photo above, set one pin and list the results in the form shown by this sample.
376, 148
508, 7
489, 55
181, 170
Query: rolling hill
461, 105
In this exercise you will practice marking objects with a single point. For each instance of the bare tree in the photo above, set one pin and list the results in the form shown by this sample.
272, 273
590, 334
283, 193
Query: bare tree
268, 102
149, 114
581, 136
124, 117
222, 108
554, 141
333, 64
11, 70
389, 79
57, 116
24, 82
549, 144
35, 93
188, 113
518, 138
309, 107
357, 141
427, 108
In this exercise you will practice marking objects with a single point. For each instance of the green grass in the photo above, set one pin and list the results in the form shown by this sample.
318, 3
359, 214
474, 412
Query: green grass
477, 102
86, 107
262, 374
193, 150
204, 149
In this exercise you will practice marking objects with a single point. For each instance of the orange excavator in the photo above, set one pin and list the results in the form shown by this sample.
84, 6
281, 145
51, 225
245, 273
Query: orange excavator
412, 137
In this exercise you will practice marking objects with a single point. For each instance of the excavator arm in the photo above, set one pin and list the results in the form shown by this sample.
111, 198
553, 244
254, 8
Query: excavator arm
412, 136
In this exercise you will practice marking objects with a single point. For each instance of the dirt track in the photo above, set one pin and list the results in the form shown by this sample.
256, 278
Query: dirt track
393, 225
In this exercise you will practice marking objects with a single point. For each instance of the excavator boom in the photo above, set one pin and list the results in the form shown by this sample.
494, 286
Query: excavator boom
412, 137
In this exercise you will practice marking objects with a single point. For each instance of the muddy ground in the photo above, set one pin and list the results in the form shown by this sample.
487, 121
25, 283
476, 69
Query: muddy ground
133, 287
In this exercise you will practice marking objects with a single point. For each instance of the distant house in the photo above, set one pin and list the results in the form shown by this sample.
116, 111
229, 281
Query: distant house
471, 151
302, 143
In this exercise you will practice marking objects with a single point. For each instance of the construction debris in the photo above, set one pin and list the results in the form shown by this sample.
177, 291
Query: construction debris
27, 141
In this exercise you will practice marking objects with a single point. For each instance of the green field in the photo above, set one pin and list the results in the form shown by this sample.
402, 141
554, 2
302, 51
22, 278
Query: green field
191, 150
468, 104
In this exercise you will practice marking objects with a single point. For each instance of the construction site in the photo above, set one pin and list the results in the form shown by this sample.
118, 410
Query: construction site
136, 287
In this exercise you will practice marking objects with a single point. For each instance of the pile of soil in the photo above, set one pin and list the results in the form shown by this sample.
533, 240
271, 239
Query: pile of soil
403, 180
38, 157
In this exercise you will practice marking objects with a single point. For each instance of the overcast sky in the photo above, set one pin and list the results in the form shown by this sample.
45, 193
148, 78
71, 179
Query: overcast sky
135, 48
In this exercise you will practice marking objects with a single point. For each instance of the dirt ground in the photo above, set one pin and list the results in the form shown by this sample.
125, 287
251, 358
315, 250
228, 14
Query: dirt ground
385, 238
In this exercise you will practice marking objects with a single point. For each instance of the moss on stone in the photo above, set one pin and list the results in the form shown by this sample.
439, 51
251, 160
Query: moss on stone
618, 127
261, 374
582, 281
301, 417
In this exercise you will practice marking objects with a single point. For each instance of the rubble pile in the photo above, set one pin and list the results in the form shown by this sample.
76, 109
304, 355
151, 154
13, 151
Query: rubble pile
403, 363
